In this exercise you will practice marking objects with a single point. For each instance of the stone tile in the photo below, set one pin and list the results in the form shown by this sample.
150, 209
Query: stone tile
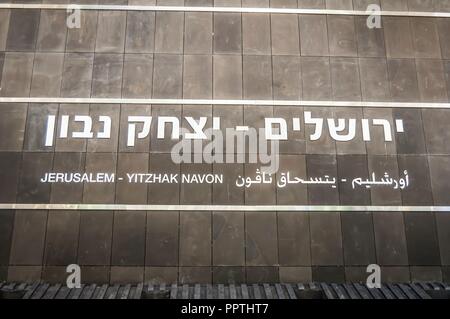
325, 144
228, 275
443, 233
328, 274
345, 79
374, 79
355, 145
318, 166
296, 143
27, 274
34, 166
198, 33
295, 165
228, 192
140, 33
107, 75
126, 275
95, 275
68, 192
162, 239
285, 34
197, 77
161, 275
440, 173
2, 60
130, 192
52, 31
17, 71
61, 241
350, 167
256, 34
47, 74
287, 82
420, 5
342, 36
142, 145
96, 144
228, 235
380, 165
164, 145
227, 81
419, 191
257, 77
6, 231
316, 78
425, 38
262, 274
83, 39
195, 247
390, 239
294, 239
444, 37
403, 80
111, 32
36, 126
313, 35
10, 164
27, 247
167, 76
4, 27
100, 193
95, 238
311, 4
356, 274
395, 274
378, 144
421, 239
137, 76
436, 134
260, 194
77, 75
227, 33
326, 239
413, 140
12, 126
196, 192
128, 242
394, 5
23, 29
445, 274
426, 274
398, 37
370, 41
431, 80
169, 32
358, 239
295, 275
163, 193
261, 239
339, 4
197, 275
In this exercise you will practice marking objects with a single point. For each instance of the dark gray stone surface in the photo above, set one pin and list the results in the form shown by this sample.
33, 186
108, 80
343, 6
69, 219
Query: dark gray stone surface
200, 55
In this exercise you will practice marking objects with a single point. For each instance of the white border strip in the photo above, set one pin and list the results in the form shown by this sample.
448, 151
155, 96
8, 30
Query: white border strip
57, 100
224, 9
224, 208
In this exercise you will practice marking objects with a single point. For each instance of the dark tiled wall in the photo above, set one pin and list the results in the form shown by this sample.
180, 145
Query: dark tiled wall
224, 247
250, 56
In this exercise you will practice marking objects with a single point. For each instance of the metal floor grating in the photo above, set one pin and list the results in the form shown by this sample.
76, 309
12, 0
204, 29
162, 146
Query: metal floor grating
40, 290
